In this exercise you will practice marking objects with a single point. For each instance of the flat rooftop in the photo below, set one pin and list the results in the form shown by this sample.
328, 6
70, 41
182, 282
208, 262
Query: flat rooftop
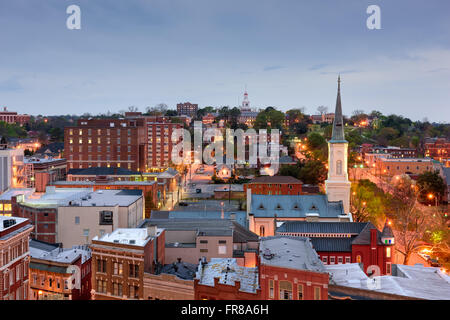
46, 251
17, 221
228, 272
83, 197
410, 281
130, 236
112, 183
7, 195
290, 252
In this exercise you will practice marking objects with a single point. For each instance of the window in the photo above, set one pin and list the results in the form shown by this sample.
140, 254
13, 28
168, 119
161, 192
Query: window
134, 292
203, 250
358, 258
101, 265
340, 260
347, 260
118, 268
300, 292
117, 289
316, 293
261, 231
77, 220
271, 289
203, 241
325, 260
388, 268
388, 252
134, 270
332, 260
106, 218
86, 232
222, 249
339, 167
285, 290
101, 286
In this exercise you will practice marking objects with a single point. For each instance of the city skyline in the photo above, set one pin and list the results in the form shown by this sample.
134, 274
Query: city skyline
288, 55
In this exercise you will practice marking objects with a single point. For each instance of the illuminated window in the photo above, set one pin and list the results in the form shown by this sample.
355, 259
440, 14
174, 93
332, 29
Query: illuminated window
358, 259
316, 293
388, 252
285, 290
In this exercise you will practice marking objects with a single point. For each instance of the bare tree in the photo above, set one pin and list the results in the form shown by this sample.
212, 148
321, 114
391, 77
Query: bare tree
133, 109
158, 110
322, 109
411, 219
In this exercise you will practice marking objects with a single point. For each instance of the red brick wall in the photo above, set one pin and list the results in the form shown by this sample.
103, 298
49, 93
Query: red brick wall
277, 188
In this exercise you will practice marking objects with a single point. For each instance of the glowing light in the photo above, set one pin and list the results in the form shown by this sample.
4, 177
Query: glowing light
40, 292
430, 196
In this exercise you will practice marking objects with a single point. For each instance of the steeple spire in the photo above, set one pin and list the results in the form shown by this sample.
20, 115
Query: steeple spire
338, 124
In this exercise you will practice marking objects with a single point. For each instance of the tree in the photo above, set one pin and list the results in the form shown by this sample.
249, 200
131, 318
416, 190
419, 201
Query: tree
411, 220
366, 202
158, 110
431, 185
322, 109
171, 113
313, 172
270, 118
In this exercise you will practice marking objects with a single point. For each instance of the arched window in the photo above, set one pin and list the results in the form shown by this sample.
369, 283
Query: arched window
339, 167
261, 231
358, 258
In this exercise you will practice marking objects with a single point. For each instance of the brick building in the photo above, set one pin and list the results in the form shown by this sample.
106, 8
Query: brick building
118, 143
283, 185
38, 173
437, 148
290, 269
119, 260
14, 258
388, 167
59, 274
224, 279
187, 109
346, 242
13, 117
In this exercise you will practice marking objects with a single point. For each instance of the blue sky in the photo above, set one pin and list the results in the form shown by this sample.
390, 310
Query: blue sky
287, 52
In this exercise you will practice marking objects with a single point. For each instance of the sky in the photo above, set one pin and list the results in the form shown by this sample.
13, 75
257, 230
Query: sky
287, 53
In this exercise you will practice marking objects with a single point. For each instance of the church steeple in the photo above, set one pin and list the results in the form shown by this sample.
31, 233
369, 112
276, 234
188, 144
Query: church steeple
338, 123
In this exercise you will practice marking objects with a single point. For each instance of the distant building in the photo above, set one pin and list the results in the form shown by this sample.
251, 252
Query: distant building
437, 148
387, 167
189, 240
208, 119
40, 172
75, 216
322, 118
120, 259
14, 258
187, 109
13, 118
120, 143
266, 212
347, 242
275, 185
52, 150
11, 168
247, 115
290, 269
59, 274
6, 197
389, 151
225, 279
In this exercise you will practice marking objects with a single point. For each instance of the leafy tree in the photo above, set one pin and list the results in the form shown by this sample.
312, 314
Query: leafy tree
171, 113
366, 202
431, 183
270, 118
313, 172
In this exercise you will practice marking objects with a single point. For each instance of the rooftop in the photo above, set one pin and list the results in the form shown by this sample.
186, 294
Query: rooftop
83, 197
275, 179
410, 281
295, 206
8, 222
290, 252
228, 272
7, 195
131, 236
50, 252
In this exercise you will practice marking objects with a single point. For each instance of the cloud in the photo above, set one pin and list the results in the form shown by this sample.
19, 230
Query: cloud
317, 67
270, 68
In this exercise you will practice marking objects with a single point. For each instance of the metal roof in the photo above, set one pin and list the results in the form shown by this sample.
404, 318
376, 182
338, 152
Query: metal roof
322, 227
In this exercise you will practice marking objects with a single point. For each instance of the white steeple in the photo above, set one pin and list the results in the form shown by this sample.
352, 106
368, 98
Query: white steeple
337, 185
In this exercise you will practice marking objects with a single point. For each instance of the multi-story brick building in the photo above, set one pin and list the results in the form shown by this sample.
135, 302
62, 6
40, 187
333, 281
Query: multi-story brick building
118, 143
388, 167
119, 260
38, 173
14, 258
437, 148
13, 117
283, 185
290, 269
59, 274
346, 242
188, 109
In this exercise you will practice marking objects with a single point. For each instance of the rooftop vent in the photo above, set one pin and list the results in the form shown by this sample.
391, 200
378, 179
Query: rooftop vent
8, 223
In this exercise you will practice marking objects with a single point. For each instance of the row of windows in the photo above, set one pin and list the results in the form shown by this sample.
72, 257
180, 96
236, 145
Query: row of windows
16, 274
285, 291
13, 253
99, 141
133, 269
332, 259
99, 131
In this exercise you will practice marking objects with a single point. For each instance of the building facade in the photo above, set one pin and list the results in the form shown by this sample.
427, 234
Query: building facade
120, 259
13, 118
276, 185
14, 258
120, 143
187, 109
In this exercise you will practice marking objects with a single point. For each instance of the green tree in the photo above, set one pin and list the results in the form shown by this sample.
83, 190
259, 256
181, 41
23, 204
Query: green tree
431, 183
313, 172
366, 202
